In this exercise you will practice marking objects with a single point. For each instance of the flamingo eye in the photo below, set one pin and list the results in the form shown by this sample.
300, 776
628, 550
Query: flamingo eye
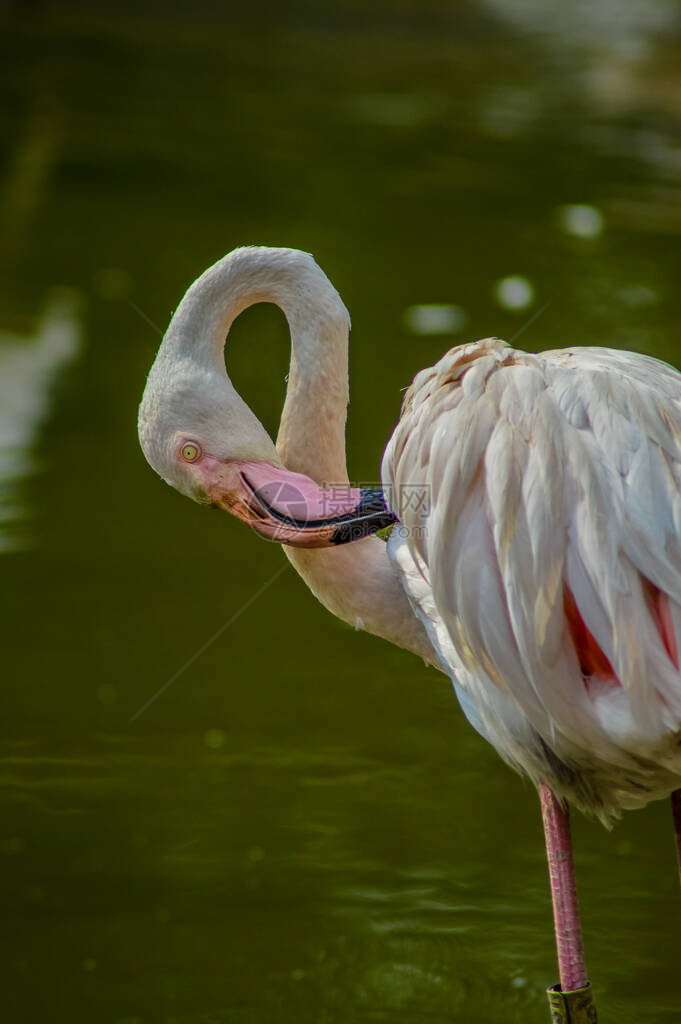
190, 451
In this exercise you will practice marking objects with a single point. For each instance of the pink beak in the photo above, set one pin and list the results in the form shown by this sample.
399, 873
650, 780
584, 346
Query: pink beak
290, 508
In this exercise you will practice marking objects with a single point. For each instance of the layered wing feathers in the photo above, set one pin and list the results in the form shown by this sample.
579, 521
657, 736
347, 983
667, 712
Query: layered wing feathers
550, 478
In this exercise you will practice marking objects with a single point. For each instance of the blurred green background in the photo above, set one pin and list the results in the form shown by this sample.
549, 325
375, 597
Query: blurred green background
302, 827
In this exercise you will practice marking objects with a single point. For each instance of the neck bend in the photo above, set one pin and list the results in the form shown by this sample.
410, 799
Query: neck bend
311, 437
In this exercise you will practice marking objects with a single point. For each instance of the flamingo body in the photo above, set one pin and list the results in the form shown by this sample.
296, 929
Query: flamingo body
544, 558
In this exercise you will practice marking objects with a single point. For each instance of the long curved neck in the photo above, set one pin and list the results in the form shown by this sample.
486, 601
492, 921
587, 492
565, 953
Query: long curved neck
311, 437
356, 581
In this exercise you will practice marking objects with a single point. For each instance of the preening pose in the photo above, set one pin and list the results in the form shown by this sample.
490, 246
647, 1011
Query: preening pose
537, 554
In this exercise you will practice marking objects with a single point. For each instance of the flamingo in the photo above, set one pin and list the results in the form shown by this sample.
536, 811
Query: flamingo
535, 554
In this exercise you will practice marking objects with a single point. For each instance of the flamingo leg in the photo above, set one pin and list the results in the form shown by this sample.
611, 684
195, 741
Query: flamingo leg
676, 812
556, 818
571, 1001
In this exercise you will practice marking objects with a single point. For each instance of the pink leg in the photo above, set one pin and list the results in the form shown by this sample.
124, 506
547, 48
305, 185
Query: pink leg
676, 811
556, 818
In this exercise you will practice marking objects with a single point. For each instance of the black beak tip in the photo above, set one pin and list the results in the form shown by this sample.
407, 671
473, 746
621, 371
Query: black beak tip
370, 516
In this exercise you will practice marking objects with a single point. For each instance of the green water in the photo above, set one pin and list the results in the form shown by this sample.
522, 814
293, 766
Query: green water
302, 827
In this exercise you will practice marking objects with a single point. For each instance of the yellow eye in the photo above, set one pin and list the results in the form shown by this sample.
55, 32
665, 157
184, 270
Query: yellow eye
190, 451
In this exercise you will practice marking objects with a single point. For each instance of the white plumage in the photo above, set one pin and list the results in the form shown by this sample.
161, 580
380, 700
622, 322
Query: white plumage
537, 554
550, 478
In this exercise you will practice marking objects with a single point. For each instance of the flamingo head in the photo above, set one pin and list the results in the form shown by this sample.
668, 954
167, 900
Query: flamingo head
199, 435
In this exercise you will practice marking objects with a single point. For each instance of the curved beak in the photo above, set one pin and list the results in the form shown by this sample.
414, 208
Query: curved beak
290, 508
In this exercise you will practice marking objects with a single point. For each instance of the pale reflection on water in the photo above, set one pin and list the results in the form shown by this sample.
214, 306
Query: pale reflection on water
29, 370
